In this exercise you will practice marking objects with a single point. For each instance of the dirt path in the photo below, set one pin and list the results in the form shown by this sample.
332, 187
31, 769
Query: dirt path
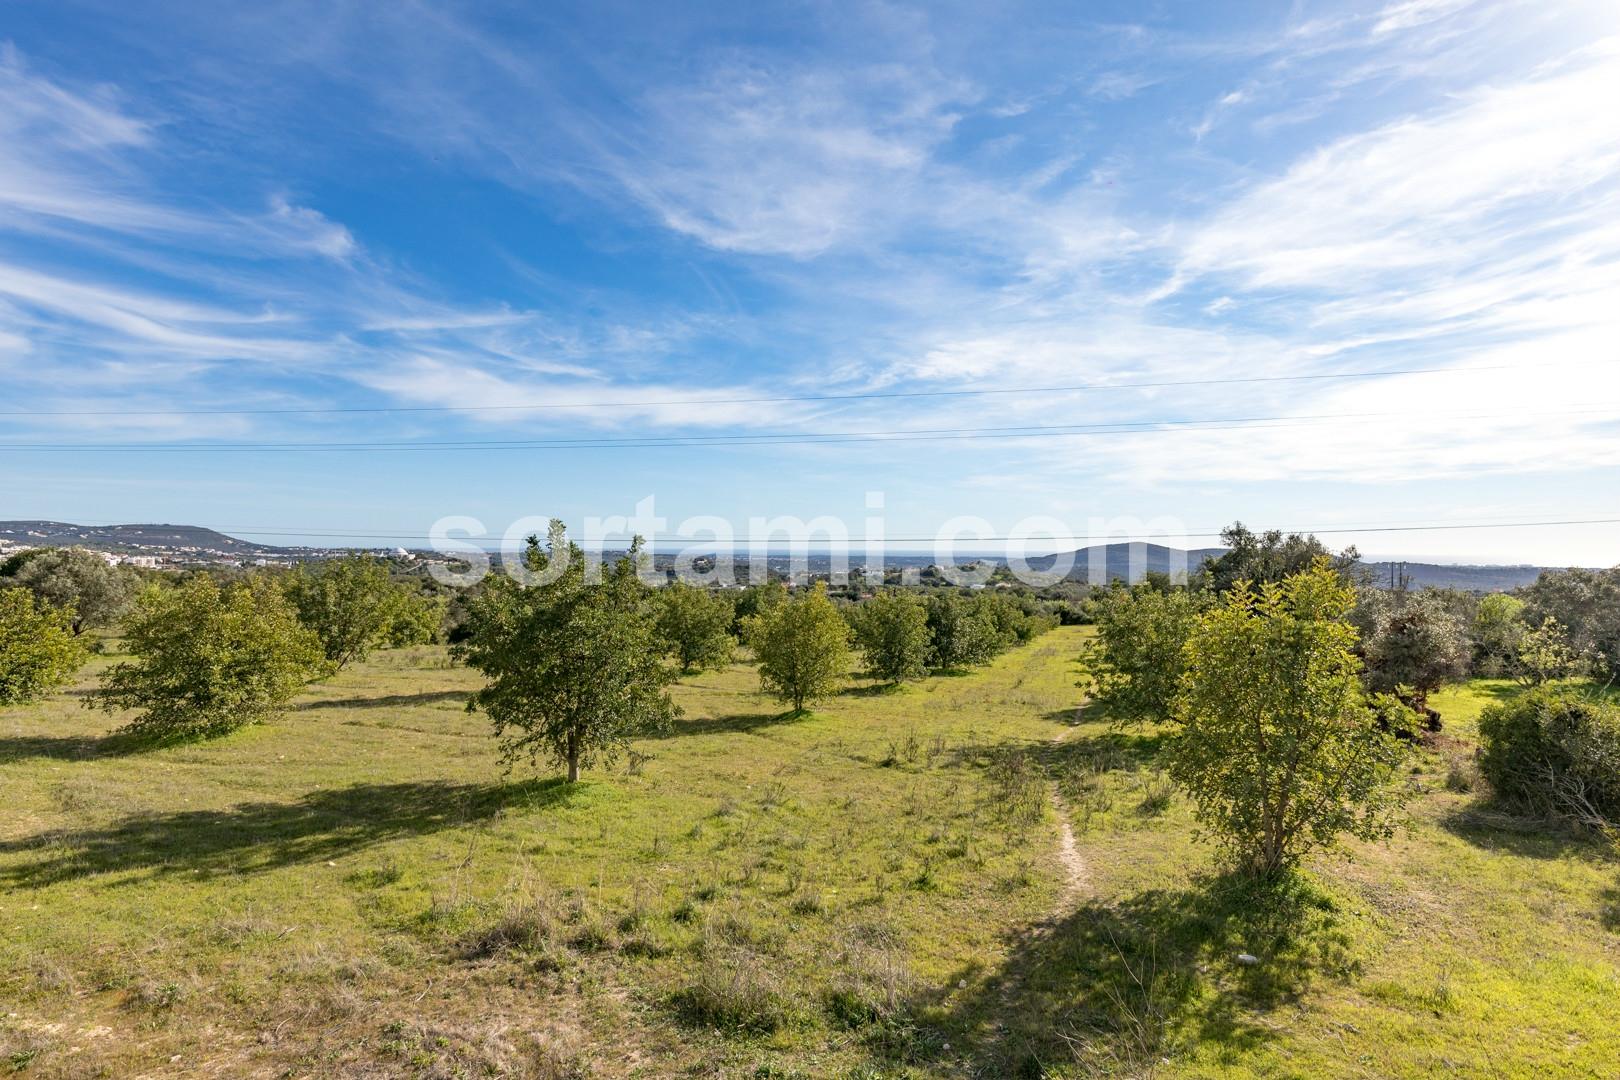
1077, 876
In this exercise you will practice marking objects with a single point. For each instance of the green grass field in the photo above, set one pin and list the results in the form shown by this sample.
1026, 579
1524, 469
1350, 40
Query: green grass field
967, 877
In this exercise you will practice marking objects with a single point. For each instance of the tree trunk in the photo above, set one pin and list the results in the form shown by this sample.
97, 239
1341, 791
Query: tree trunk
573, 757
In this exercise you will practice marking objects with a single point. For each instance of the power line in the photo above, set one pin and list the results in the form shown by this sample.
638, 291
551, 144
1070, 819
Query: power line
785, 398
1022, 431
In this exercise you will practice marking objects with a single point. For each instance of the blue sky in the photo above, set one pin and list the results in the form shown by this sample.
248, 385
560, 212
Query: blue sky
444, 208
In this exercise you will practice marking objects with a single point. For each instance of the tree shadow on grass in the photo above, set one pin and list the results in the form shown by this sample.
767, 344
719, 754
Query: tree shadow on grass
730, 723
429, 697
1495, 826
1118, 986
258, 836
1105, 752
68, 747
872, 689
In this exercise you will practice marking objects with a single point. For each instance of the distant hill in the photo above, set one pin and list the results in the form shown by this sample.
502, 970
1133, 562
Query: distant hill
1116, 561
127, 537
1468, 578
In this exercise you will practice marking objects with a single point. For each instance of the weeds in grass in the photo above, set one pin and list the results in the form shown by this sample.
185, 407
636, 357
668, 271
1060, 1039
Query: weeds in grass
377, 877
1462, 774
807, 902
528, 924
1157, 790
1016, 788
734, 994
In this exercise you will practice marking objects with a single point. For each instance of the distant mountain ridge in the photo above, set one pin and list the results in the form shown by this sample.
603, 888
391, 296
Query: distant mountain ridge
127, 537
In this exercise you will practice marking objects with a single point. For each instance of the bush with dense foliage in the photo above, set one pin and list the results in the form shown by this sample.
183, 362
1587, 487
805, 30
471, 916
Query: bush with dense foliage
1586, 603
1279, 747
38, 651
1545, 655
354, 605
1134, 664
574, 659
963, 631
1498, 629
696, 625
1555, 752
210, 659
891, 630
803, 648
77, 581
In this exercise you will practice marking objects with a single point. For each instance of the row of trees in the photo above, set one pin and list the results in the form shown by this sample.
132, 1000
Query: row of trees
1288, 697
575, 661
206, 656
1409, 643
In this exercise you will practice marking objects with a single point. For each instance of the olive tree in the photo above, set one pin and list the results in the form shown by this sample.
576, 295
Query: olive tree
353, 605
38, 651
803, 648
80, 582
209, 659
891, 630
1415, 647
696, 625
1279, 747
573, 657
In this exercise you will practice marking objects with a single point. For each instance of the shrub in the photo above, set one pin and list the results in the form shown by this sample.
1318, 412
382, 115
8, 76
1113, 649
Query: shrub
572, 660
891, 629
803, 648
696, 624
1134, 665
1498, 629
1586, 603
1544, 655
1279, 747
1555, 752
38, 651
209, 660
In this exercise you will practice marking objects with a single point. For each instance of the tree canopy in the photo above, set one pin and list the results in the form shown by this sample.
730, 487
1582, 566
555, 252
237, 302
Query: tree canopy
573, 659
1416, 645
891, 629
38, 651
803, 648
353, 605
1134, 664
1279, 748
79, 582
209, 659
696, 625
1271, 556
